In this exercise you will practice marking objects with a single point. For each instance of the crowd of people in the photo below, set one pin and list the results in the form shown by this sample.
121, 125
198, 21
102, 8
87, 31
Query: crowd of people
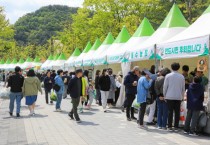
162, 90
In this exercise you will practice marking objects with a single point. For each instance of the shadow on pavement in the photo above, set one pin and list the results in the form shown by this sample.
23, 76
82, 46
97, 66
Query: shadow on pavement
87, 123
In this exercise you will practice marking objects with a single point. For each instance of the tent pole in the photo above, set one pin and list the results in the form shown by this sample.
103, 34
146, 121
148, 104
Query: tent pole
156, 61
209, 74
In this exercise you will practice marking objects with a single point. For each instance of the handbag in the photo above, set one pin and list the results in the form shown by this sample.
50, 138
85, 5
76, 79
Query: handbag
56, 87
202, 119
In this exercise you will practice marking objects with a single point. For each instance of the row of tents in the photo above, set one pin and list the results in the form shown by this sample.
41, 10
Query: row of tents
175, 38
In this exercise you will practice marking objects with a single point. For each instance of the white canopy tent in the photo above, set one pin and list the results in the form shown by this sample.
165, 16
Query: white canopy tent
51, 63
87, 60
192, 42
173, 24
59, 63
74, 56
47, 62
79, 61
97, 59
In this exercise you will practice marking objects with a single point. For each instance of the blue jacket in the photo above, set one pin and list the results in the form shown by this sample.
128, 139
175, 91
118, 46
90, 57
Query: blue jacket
128, 82
195, 97
143, 89
59, 81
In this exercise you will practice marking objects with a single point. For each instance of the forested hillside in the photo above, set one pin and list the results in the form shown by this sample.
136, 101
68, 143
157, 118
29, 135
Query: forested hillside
38, 27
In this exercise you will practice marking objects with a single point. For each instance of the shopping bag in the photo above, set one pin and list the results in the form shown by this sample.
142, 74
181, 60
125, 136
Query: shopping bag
135, 104
183, 113
53, 96
202, 119
207, 127
4, 93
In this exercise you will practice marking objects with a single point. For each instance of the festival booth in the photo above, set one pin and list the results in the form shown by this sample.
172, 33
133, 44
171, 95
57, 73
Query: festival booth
28, 64
70, 62
190, 46
113, 62
143, 54
87, 59
144, 31
37, 63
12, 65
79, 61
20, 63
98, 61
59, 63
44, 66
50, 64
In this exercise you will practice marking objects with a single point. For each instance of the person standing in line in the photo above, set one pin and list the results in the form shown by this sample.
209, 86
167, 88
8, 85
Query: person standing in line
173, 91
188, 77
130, 82
162, 108
118, 81
104, 84
59, 82
112, 90
48, 84
144, 84
66, 80
98, 93
15, 83
31, 86
195, 98
204, 80
75, 90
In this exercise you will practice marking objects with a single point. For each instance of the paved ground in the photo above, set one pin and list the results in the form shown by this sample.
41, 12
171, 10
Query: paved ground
98, 128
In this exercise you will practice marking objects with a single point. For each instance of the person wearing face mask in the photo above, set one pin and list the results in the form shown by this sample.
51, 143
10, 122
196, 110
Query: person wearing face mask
130, 82
104, 83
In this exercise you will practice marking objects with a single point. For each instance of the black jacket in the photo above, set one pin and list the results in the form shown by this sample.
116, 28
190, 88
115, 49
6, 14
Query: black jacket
15, 81
104, 83
47, 85
128, 82
97, 82
75, 87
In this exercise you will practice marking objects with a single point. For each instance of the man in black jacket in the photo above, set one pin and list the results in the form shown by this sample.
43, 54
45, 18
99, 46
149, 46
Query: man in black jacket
130, 83
75, 89
15, 81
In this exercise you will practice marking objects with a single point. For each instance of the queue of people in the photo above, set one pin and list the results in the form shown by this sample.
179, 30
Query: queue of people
161, 90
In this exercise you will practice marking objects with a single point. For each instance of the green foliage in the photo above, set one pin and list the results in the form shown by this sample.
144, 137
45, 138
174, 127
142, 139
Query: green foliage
7, 42
38, 27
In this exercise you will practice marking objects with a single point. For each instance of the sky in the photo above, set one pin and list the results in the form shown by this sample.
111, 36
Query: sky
14, 9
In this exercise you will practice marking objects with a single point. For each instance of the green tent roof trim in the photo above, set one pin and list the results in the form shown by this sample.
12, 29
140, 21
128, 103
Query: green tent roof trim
2, 61
37, 59
62, 57
96, 44
76, 52
29, 59
21, 61
8, 61
144, 29
56, 57
174, 18
87, 48
123, 36
207, 10
109, 39
14, 61
50, 57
